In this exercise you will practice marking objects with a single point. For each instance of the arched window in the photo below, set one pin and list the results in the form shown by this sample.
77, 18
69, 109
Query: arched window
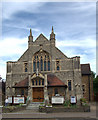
57, 65
41, 62
25, 67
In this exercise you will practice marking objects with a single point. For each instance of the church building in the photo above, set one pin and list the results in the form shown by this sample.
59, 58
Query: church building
43, 71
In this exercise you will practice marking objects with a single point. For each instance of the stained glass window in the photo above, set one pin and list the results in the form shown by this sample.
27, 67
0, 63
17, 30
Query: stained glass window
48, 65
34, 66
44, 65
41, 64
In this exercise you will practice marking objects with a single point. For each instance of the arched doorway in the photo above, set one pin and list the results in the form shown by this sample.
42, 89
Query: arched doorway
37, 88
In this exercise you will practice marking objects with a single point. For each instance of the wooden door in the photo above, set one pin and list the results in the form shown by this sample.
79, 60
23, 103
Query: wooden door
38, 94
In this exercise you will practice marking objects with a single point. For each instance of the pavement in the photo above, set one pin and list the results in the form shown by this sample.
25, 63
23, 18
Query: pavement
34, 114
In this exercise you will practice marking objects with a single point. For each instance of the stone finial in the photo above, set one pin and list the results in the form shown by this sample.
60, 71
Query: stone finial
30, 39
52, 30
52, 35
30, 32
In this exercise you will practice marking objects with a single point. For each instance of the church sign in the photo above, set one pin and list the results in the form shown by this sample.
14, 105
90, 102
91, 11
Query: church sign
9, 99
73, 99
58, 100
18, 100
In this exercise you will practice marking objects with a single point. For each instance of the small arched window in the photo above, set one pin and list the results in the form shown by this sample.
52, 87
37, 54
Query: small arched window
25, 67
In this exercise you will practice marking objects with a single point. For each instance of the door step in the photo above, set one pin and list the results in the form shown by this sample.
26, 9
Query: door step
34, 105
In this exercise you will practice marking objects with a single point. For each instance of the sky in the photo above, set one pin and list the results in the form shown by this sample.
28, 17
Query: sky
74, 25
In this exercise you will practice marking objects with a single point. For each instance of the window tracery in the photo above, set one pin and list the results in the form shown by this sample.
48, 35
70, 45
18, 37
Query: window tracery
41, 61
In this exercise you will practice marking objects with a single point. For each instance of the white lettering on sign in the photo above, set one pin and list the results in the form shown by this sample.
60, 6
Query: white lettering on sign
58, 100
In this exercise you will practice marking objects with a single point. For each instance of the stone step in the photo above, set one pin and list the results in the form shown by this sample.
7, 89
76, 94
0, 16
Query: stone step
33, 105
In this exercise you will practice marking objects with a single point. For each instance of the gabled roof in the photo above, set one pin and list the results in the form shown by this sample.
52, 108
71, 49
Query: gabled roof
42, 37
51, 79
23, 83
54, 81
85, 69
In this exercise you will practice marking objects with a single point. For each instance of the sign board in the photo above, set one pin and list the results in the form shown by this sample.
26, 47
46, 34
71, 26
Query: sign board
58, 100
9, 99
18, 100
73, 99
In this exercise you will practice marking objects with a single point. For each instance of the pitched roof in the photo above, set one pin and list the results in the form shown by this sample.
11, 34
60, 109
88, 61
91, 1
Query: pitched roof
54, 81
23, 83
85, 69
41, 36
51, 79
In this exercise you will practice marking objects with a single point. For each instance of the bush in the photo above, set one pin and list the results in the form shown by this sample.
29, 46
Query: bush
67, 103
83, 100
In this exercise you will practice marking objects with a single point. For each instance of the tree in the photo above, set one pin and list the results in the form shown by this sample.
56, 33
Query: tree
95, 85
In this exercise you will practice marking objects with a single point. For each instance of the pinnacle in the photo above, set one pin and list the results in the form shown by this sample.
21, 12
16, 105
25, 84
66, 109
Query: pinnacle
30, 32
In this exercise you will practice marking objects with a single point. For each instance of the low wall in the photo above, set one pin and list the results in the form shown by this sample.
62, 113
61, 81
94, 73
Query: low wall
14, 109
63, 109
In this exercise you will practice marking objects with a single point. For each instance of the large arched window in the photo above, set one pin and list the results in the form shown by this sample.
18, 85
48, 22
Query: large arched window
41, 61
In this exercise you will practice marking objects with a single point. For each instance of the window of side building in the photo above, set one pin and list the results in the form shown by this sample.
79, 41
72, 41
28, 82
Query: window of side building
83, 88
69, 85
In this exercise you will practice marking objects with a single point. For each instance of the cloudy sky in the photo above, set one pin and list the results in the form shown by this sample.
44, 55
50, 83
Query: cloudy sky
74, 25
